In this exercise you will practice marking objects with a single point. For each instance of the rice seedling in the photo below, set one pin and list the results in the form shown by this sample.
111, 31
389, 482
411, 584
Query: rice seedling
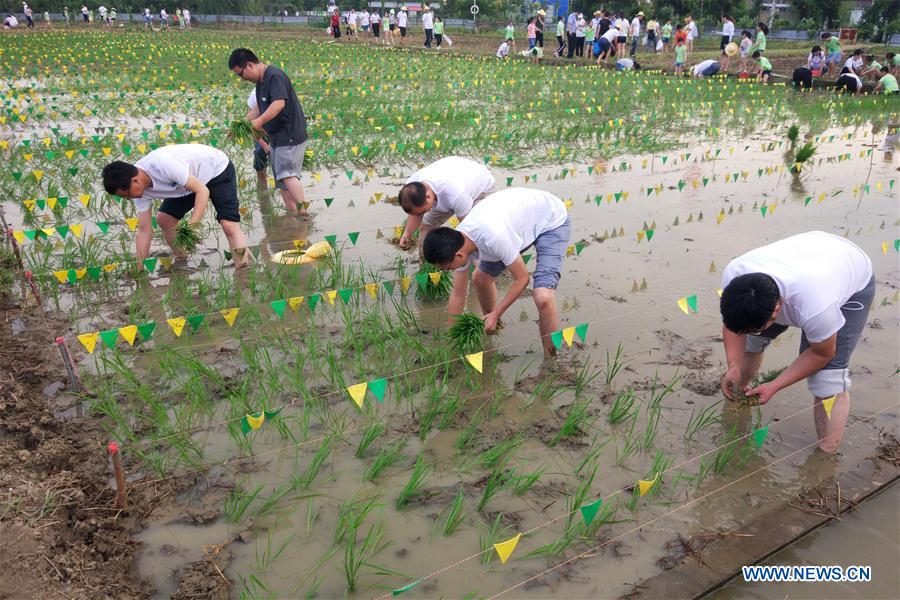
351, 515
631, 445
523, 483
237, 501
593, 454
585, 375
622, 407
576, 423
793, 134
371, 433
494, 483
359, 553
494, 533
722, 457
187, 237
430, 291
467, 435
582, 493
803, 154
416, 480
252, 587
454, 513
700, 420
466, 335
386, 457
305, 480
270, 553
557, 546
495, 455
242, 132
613, 365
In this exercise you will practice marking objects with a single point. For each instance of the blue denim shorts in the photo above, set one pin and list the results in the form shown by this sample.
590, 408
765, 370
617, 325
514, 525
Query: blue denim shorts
551, 249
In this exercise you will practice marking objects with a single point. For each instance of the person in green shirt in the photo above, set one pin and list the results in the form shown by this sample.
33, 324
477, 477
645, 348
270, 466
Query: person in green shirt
680, 56
833, 52
589, 33
510, 31
760, 44
887, 83
438, 31
872, 68
893, 63
560, 32
666, 35
764, 67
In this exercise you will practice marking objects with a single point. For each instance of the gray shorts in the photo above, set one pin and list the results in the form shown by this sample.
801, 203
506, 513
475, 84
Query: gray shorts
551, 249
287, 161
436, 218
834, 378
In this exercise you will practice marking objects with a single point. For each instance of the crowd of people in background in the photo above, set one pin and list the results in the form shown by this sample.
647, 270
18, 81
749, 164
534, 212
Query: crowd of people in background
385, 26
106, 17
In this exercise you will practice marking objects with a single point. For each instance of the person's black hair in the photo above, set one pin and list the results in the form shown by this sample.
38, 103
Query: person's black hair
747, 33
240, 57
636, 66
816, 48
763, 27
441, 245
889, 55
728, 17
884, 69
857, 52
756, 54
412, 195
678, 26
825, 35
748, 302
117, 176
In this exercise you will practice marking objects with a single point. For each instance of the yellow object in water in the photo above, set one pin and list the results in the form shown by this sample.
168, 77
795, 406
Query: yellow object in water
298, 257
318, 250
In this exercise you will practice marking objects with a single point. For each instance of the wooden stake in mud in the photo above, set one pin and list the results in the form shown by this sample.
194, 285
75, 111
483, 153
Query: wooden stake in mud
74, 381
119, 473
34, 290
13, 243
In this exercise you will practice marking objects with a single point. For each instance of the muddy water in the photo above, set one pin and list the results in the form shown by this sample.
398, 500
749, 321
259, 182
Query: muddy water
867, 536
658, 339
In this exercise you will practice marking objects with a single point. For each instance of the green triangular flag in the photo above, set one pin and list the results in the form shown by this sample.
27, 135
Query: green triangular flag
579, 246
509, 181
589, 511
30, 233
349, 174
681, 184
313, 300
227, 254
245, 426
763, 209
759, 435
897, 245
377, 387
150, 263
526, 258
406, 587
195, 321
103, 226
692, 302
581, 331
328, 201
146, 330
649, 233
422, 280
109, 337
17, 176
254, 250
72, 276
63, 201
705, 181
41, 203
389, 287
353, 235
278, 306
273, 413
345, 294
807, 200
94, 273
331, 239
557, 338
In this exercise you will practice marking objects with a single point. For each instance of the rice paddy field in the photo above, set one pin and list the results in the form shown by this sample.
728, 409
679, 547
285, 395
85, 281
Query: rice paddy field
311, 430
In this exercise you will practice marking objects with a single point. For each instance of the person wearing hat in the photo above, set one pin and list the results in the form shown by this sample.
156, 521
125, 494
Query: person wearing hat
392, 26
428, 26
636, 32
727, 36
539, 27
401, 22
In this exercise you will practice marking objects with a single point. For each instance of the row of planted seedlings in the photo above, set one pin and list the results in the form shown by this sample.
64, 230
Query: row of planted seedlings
347, 472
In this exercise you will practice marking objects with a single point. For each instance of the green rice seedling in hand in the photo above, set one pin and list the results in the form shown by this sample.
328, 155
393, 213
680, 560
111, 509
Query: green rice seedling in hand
242, 132
187, 237
467, 333
433, 292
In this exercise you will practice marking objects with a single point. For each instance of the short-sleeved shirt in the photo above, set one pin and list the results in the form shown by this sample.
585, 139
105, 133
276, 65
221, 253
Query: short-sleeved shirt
888, 83
635, 26
507, 222
531, 31
764, 63
288, 128
680, 53
693, 32
169, 167
456, 181
611, 34
510, 32
681, 35
560, 28
875, 65
667, 30
896, 60
816, 274
760, 41
700, 67
401, 19
832, 45
503, 50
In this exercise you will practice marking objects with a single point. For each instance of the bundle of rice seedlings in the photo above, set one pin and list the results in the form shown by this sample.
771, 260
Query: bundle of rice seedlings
793, 134
467, 333
187, 236
432, 292
803, 154
242, 132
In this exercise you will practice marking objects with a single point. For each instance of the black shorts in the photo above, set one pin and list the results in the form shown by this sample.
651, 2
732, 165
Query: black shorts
403, 32
846, 82
376, 29
222, 195
621, 39
392, 27
724, 42
767, 72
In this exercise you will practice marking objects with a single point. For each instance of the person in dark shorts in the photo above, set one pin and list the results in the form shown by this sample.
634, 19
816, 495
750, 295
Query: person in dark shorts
802, 78
849, 82
821, 283
186, 177
283, 120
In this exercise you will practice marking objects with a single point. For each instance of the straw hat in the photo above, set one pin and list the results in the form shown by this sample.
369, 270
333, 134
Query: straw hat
542, 13
597, 13
402, 9
640, 14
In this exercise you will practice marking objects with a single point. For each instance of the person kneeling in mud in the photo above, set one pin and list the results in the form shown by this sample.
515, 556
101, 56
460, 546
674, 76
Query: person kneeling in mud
819, 282
186, 177
496, 231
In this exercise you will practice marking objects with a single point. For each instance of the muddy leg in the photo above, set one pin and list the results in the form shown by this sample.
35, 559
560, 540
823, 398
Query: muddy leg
750, 367
548, 317
486, 290
831, 431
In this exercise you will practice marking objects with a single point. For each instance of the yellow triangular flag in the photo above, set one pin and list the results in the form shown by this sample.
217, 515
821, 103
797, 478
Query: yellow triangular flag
568, 334
177, 325
89, 341
51, 203
331, 296
85, 199
476, 360
48, 231
358, 392
372, 288
128, 332
76, 229
109, 268
683, 305
828, 404
453, 222
61, 275
435, 277
229, 314
644, 485
404, 284
884, 248
20, 236
295, 302
132, 223
256, 422
505, 549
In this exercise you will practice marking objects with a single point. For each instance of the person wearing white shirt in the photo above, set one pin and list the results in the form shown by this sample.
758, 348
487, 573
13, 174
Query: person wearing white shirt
364, 20
727, 37
10, 22
186, 18
186, 177
376, 25
164, 18
580, 26
622, 26
854, 62
821, 283
428, 26
636, 32
351, 23
401, 22
505, 46
147, 18
693, 32
101, 10
495, 233
607, 42
706, 68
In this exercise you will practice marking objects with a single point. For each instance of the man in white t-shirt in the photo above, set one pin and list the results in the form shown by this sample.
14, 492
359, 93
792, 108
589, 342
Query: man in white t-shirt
164, 18
505, 47
102, 12
402, 17
496, 231
636, 32
819, 282
186, 177
428, 26
186, 18
706, 68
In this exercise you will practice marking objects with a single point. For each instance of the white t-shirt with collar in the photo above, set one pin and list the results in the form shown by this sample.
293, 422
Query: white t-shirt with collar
507, 222
702, 66
693, 33
611, 34
816, 273
169, 167
427, 20
456, 181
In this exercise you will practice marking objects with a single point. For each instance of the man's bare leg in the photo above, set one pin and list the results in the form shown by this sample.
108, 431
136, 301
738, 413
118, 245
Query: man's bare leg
548, 317
750, 367
831, 431
486, 289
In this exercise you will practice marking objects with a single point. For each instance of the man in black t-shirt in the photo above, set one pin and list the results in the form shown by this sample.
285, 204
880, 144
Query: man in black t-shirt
283, 120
